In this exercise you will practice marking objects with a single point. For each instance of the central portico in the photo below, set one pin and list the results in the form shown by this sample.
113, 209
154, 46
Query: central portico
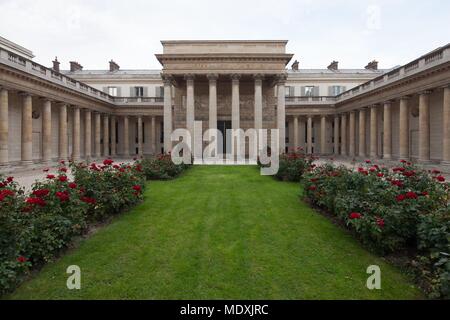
239, 81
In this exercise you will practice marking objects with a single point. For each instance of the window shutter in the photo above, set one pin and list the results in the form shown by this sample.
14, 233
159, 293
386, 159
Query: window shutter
303, 91
161, 92
119, 91
145, 91
132, 91
316, 91
330, 91
291, 91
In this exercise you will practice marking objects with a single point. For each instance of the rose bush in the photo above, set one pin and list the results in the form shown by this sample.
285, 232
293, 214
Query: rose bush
389, 209
35, 227
161, 167
293, 164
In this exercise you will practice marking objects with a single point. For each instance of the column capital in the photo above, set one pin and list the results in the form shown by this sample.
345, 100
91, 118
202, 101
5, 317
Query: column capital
167, 79
189, 77
258, 76
425, 92
373, 106
235, 77
212, 76
45, 99
25, 94
407, 97
388, 102
281, 78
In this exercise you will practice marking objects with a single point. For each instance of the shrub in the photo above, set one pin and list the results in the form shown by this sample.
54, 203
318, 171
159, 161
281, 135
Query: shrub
161, 167
293, 164
390, 210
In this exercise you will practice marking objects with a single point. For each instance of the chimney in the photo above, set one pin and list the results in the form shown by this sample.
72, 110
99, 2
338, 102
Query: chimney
295, 65
333, 66
75, 66
373, 65
113, 66
56, 65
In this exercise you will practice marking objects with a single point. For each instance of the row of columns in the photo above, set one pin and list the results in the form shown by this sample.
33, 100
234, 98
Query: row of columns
235, 104
26, 132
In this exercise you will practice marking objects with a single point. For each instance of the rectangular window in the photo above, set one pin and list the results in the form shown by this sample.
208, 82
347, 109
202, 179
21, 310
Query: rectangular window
112, 91
336, 90
309, 91
159, 92
139, 91
289, 91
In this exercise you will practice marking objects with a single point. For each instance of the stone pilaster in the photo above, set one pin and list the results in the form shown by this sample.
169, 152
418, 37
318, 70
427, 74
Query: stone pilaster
140, 136
105, 135
362, 133
113, 136
446, 126
63, 138
352, 134
387, 131
87, 134
344, 134
404, 128
97, 137
323, 134
153, 135
46, 131
76, 134
296, 144
309, 133
212, 101
126, 136
4, 126
235, 104
373, 131
167, 116
336, 134
281, 112
424, 126
258, 101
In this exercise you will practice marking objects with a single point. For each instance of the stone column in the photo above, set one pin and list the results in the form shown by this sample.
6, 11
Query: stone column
446, 126
27, 130
190, 107
46, 131
153, 135
336, 134
63, 132
351, 138
343, 134
362, 133
309, 135
126, 135
296, 144
281, 112
105, 135
323, 133
387, 131
4, 126
113, 136
404, 128
258, 101
212, 101
167, 116
235, 104
140, 136
373, 131
424, 126
76, 134
97, 138
87, 134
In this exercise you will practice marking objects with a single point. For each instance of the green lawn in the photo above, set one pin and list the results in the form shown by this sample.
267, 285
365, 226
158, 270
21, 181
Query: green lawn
220, 232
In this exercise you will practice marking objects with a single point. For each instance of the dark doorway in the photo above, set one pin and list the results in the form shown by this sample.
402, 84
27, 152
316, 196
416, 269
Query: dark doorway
222, 126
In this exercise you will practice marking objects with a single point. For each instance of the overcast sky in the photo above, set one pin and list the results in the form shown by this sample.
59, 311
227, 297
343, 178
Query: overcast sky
352, 32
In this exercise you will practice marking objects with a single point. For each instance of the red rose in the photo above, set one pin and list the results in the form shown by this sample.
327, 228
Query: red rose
355, 215
380, 222
312, 188
72, 185
137, 188
409, 173
400, 197
62, 178
440, 178
435, 171
50, 176
397, 183
411, 195
380, 174
21, 259
41, 192
63, 169
88, 200
38, 201
107, 162
10, 179
368, 161
46, 170
62, 162
403, 161
63, 196
424, 193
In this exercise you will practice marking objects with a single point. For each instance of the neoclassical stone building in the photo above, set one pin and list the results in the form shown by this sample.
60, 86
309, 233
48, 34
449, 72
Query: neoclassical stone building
48, 114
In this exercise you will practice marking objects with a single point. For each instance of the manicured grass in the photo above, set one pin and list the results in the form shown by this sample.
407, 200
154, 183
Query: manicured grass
220, 232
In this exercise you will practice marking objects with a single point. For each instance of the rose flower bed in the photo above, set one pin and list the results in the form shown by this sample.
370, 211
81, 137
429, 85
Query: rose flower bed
161, 167
391, 210
35, 227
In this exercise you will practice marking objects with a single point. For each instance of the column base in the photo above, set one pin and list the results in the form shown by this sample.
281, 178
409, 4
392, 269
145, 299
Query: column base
26, 162
445, 163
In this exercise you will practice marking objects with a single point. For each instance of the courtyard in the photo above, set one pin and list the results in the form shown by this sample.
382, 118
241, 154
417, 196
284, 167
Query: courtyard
219, 232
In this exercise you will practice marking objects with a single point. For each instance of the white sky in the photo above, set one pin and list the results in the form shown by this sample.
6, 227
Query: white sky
352, 32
